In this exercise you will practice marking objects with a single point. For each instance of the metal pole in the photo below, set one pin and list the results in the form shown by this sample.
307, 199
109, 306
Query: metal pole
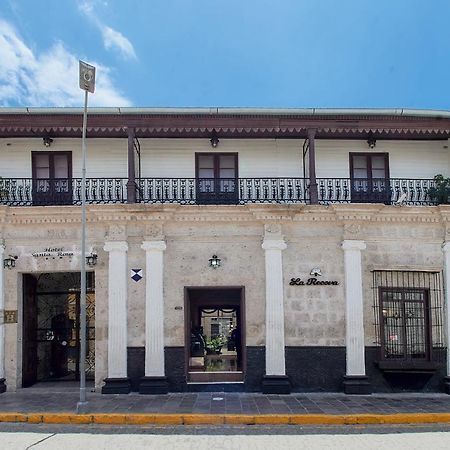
82, 403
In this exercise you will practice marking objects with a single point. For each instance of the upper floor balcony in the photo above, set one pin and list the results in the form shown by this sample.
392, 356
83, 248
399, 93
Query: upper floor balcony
232, 157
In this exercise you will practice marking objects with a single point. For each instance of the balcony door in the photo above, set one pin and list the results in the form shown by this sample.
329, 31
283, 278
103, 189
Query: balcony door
52, 178
217, 178
369, 173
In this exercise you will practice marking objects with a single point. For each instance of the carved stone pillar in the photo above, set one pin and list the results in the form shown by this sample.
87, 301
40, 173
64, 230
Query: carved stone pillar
446, 251
355, 381
117, 381
155, 381
275, 381
2, 322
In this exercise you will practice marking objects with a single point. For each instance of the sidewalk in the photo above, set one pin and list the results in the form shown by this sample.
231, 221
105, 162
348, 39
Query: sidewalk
59, 406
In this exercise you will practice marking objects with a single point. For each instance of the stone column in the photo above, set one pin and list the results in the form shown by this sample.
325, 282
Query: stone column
2, 322
355, 381
117, 381
155, 381
446, 251
275, 381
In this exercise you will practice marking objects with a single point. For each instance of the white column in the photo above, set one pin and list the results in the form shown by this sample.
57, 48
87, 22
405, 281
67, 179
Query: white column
354, 319
275, 361
446, 251
2, 315
154, 308
117, 308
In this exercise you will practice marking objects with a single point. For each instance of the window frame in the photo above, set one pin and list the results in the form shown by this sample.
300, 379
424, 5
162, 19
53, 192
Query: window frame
427, 324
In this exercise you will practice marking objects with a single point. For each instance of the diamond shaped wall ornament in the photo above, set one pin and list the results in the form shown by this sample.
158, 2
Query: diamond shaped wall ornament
136, 274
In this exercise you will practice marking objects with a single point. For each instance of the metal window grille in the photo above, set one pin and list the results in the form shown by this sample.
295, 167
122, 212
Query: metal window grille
408, 315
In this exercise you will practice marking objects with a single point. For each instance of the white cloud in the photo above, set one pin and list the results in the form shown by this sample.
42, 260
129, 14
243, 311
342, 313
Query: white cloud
49, 78
112, 39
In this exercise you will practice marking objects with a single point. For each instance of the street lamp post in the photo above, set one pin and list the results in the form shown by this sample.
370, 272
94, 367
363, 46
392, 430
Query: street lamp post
87, 83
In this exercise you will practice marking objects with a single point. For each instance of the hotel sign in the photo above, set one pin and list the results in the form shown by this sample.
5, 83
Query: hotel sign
52, 252
312, 282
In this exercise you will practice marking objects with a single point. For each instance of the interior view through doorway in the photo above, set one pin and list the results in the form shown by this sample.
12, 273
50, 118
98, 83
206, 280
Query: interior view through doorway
51, 327
215, 334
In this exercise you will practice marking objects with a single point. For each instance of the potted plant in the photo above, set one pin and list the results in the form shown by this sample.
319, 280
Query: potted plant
216, 344
440, 192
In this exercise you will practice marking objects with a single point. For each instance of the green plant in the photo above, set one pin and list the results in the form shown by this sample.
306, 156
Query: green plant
440, 192
216, 343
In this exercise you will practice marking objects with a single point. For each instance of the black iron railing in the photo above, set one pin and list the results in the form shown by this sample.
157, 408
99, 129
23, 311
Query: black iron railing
61, 191
223, 190
27, 192
375, 190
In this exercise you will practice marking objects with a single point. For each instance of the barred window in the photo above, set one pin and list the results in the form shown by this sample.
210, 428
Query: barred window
408, 313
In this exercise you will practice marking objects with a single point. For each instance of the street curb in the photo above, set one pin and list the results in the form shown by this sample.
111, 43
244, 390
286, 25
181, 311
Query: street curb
224, 419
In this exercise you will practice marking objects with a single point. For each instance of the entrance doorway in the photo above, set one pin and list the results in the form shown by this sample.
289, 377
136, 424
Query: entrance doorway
51, 327
215, 334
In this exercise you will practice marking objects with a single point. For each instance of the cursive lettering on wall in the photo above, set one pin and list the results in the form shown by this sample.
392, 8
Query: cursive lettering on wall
312, 282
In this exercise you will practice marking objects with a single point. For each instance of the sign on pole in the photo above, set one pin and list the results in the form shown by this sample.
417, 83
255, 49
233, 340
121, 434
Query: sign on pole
87, 84
87, 77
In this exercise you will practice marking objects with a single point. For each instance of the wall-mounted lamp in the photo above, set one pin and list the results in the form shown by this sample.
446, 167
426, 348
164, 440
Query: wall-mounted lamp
10, 263
91, 260
316, 272
47, 141
214, 139
214, 262
371, 141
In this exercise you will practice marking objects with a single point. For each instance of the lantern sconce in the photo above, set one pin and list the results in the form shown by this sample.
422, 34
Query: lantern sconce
371, 141
214, 139
214, 262
91, 260
10, 263
47, 140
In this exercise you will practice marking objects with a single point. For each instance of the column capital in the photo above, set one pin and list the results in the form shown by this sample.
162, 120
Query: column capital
117, 246
153, 246
446, 246
274, 244
353, 244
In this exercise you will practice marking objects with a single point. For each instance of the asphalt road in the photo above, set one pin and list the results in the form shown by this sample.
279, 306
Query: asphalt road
22, 436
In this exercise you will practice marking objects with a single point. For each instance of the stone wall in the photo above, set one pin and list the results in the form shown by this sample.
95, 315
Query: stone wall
397, 238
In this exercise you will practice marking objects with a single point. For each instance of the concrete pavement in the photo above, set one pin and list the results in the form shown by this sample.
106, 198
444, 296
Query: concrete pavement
22, 441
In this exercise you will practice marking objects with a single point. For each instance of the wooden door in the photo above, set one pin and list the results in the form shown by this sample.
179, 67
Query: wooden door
52, 178
369, 173
29, 340
217, 178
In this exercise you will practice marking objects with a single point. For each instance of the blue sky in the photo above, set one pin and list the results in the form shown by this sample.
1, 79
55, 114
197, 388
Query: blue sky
250, 53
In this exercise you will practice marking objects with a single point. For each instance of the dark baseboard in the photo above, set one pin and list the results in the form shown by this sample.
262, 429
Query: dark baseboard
275, 384
153, 385
116, 386
447, 385
358, 385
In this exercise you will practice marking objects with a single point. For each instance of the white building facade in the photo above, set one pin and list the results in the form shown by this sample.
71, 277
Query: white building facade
250, 250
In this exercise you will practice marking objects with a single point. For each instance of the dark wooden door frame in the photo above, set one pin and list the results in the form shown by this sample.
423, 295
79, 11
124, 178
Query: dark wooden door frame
29, 330
369, 195
216, 195
187, 320
53, 197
